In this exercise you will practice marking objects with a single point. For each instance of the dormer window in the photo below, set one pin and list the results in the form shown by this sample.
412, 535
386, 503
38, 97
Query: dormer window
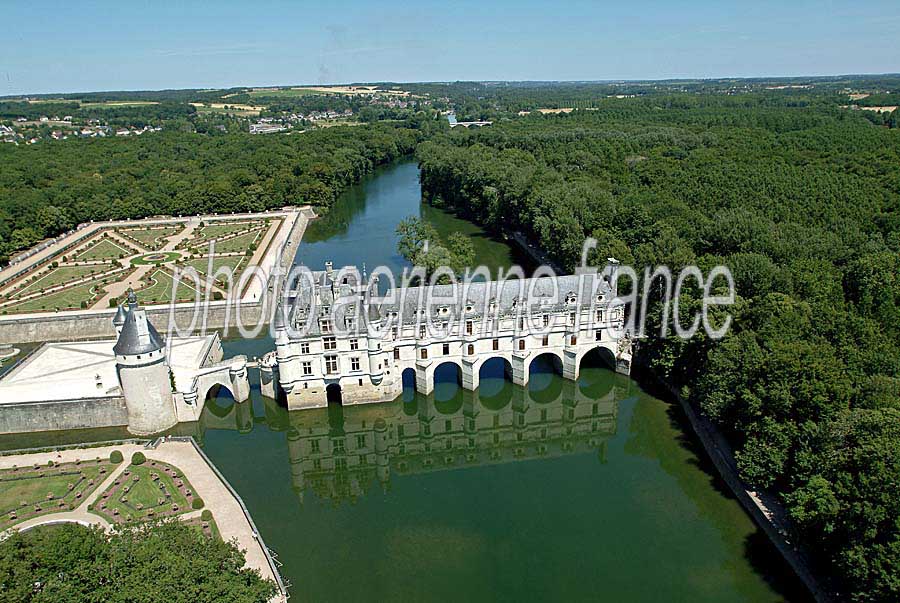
443, 310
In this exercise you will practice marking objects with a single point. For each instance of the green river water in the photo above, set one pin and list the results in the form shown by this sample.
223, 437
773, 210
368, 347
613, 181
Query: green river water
561, 491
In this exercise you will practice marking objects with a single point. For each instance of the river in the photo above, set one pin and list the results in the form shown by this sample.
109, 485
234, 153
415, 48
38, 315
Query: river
559, 491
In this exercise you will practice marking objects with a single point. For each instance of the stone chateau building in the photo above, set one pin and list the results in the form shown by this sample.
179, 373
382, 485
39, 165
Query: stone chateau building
336, 338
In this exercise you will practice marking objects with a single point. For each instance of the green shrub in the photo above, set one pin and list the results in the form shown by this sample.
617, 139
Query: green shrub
206, 515
197, 503
116, 457
138, 458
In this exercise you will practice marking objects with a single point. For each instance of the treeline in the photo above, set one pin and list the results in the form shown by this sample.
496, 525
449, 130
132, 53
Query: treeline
803, 204
49, 188
497, 100
135, 115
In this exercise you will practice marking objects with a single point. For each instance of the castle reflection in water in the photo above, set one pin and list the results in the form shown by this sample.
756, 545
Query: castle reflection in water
340, 453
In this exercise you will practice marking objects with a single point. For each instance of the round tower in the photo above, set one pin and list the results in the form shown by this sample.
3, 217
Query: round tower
144, 373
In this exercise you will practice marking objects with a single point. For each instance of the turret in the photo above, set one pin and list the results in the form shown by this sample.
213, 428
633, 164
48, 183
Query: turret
119, 319
143, 372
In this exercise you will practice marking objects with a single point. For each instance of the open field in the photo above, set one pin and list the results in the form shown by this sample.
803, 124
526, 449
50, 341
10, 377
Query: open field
236, 109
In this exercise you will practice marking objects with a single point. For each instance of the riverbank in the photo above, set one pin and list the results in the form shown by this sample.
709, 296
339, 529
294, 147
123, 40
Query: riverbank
763, 507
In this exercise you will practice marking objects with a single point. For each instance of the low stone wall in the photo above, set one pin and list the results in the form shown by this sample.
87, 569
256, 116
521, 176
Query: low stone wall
63, 414
78, 326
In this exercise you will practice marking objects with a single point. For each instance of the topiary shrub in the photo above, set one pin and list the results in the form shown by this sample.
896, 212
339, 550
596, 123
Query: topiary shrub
138, 458
197, 503
116, 457
206, 515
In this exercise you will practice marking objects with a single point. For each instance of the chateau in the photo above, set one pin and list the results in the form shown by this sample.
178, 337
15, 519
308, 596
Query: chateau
137, 381
337, 339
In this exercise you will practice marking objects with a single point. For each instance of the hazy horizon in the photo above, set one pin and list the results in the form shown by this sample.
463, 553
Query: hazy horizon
107, 46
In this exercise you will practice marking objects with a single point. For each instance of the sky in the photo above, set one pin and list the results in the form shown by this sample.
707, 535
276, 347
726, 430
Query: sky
80, 46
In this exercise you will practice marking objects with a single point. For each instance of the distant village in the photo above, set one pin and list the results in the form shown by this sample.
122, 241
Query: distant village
23, 131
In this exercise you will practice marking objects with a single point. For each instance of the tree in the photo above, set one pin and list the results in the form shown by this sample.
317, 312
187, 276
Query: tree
145, 563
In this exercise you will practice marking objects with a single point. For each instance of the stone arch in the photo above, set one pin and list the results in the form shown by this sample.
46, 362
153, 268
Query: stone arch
603, 351
334, 395
495, 377
545, 377
447, 378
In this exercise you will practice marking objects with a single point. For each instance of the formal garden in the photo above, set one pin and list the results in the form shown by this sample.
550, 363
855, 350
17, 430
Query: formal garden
27, 492
88, 272
146, 490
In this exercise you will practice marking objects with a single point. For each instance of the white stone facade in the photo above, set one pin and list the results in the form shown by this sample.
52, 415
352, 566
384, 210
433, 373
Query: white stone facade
333, 336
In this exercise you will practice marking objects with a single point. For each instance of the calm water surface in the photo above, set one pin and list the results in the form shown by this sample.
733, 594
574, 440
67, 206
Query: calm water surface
560, 491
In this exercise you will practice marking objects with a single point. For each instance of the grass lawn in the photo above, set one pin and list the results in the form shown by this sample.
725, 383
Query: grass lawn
34, 487
61, 275
151, 238
215, 231
233, 262
151, 492
239, 243
159, 290
103, 249
65, 299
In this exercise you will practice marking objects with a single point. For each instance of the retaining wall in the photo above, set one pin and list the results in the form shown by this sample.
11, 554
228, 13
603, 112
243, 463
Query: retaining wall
63, 414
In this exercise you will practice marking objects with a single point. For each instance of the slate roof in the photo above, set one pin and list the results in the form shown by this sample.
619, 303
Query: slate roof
138, 335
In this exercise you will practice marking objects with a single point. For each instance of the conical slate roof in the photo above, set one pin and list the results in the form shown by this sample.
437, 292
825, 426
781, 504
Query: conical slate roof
138, 335
119, 318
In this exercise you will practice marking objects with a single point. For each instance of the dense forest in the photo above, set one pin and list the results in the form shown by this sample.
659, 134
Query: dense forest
49, 188
802, 201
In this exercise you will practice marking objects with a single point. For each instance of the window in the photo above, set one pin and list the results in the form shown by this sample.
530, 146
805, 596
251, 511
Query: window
338, 444
325, 325
599, 315
521, 323
471, 349
351, 323
571, 318
521, 344
599, 335
393, 333
448, 425
315, 445
421, 331
495, 345
360, 382
354, 344
354, 364
446, 349
468, 327
545, 341
360, 441
307, 367
573, 340
423, 354
304, 347
331, 364
396, 353
329, 343
546, 319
